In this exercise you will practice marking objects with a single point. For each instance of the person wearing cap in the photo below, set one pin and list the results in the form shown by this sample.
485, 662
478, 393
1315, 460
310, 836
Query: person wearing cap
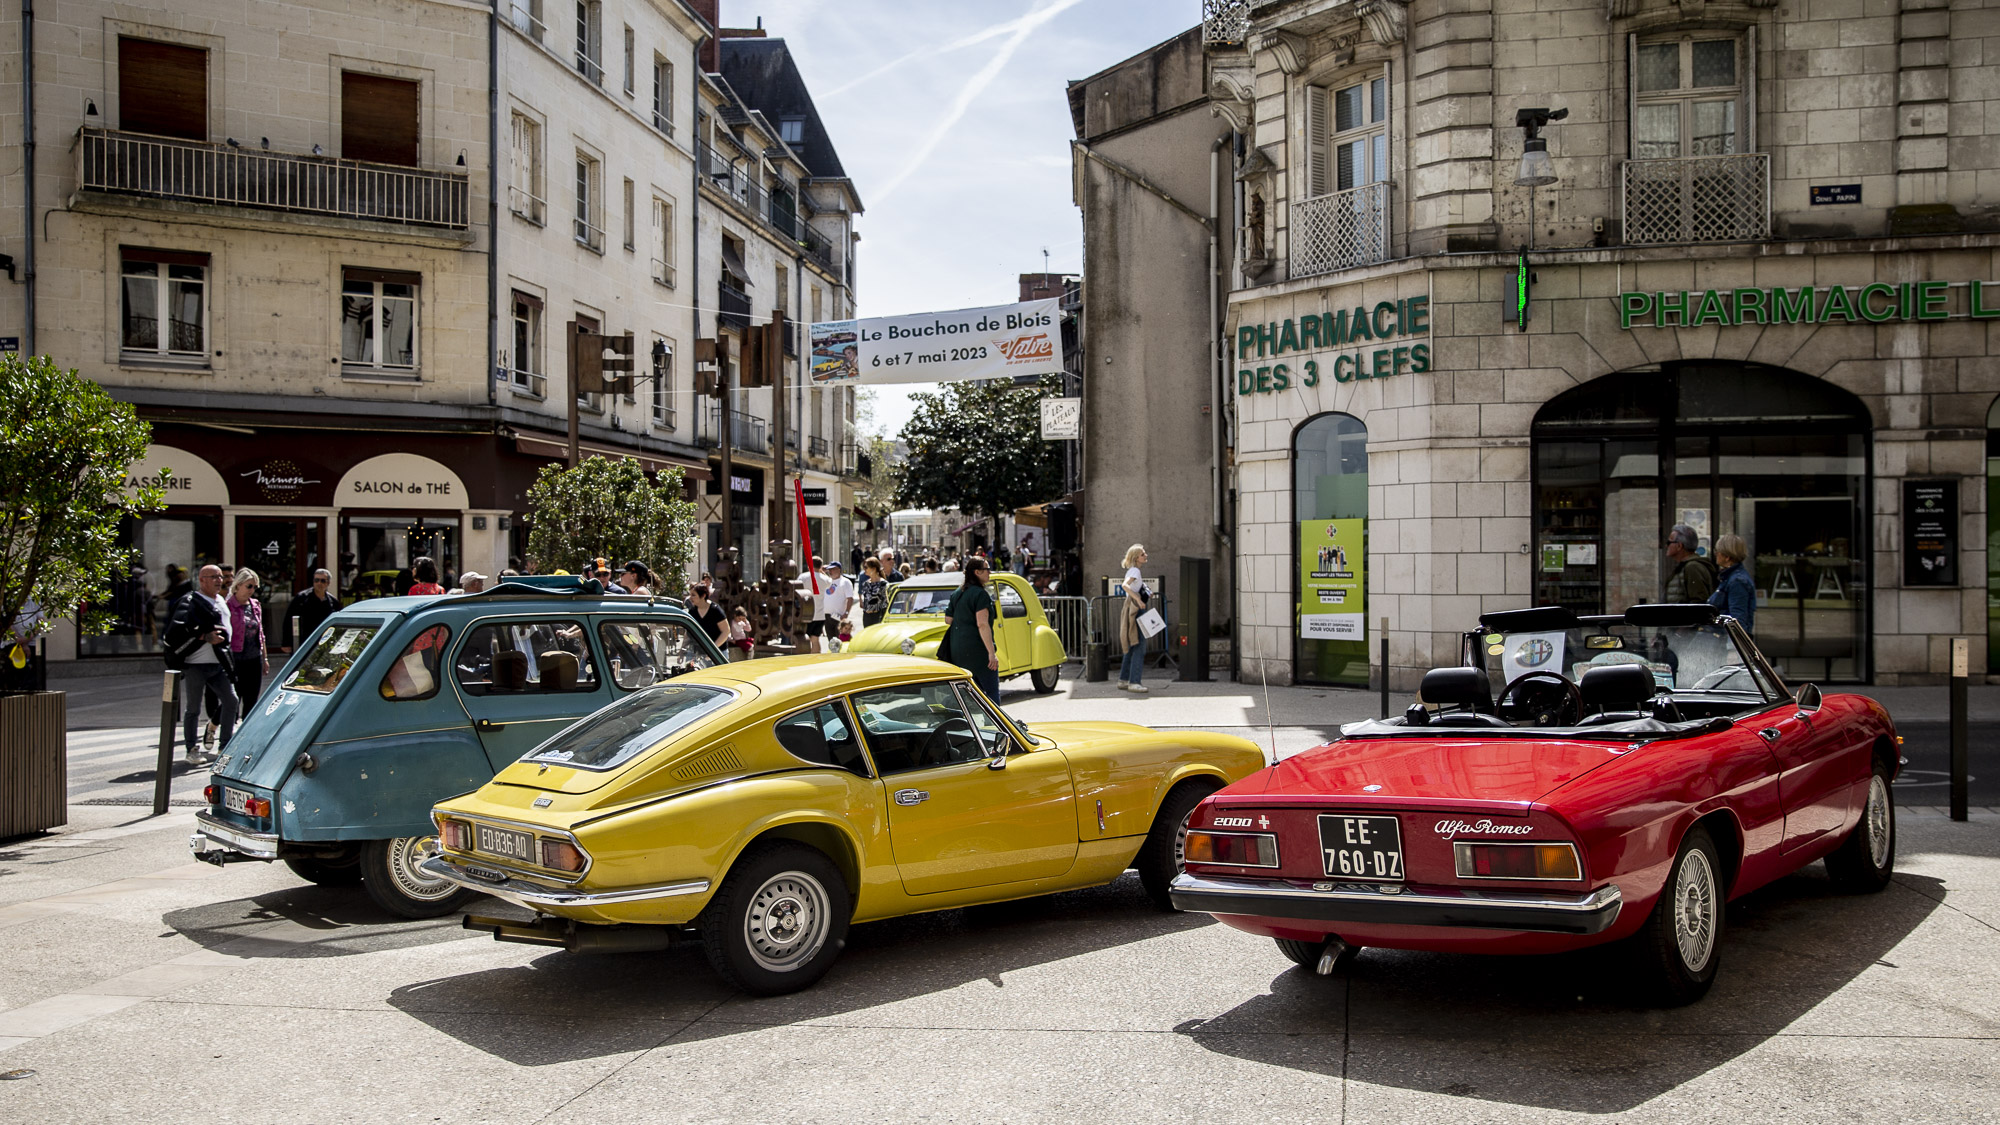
636, 579
838, 596
471, 582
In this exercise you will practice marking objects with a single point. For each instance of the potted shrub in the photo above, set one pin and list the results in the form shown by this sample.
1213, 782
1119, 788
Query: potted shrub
64, 450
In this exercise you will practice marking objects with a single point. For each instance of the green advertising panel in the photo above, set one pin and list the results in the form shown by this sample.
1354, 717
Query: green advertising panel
1333, 580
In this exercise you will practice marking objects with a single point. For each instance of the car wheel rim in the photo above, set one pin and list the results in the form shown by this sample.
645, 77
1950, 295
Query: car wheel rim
1879, 826
404, 856
1694, 911
1180, 841
787, 921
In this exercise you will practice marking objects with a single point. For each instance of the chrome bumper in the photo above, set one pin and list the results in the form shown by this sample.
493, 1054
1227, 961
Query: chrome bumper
218, 843
1402, 906
542, 896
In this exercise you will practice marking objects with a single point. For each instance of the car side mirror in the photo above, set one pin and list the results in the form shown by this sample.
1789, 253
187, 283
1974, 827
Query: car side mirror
1809, 698
998, 761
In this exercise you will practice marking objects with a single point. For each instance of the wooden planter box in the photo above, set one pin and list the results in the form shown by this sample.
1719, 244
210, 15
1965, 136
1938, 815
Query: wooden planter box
34, 763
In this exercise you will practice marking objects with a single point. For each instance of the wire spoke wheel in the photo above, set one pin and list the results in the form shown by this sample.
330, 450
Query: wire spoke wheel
1694, 906
787, 921
1875, 820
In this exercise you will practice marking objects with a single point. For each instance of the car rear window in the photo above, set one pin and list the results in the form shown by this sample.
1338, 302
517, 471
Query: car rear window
631, 726
327, 664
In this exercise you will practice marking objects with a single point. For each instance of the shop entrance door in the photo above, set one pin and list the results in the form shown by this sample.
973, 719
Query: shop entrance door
284, 552
1330, 568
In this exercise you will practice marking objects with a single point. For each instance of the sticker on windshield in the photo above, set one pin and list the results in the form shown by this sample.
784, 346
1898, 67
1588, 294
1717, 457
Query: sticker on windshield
1494, 638
1495, 650
1531, 652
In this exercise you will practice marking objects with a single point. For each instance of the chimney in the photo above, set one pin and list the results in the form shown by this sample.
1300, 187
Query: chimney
708, 10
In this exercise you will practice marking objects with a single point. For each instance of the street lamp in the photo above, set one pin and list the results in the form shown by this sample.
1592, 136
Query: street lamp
1537, 170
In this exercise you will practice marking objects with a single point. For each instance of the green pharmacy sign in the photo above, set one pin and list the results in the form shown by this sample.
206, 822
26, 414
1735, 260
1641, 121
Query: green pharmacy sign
1880, 303
1387, 323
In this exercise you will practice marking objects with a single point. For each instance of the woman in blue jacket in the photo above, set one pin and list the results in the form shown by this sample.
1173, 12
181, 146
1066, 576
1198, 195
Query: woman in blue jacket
1735, 591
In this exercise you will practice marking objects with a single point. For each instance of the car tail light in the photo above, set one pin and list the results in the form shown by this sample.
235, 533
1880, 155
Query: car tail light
209, 794
257, 806
1236, 849
1516, 861
561, 855
456, 834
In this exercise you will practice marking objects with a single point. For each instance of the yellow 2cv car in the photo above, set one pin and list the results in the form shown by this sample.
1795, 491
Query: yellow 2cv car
1022, 637
770, 803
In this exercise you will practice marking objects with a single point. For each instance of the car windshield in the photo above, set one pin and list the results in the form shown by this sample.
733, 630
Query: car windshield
631, 726
1681, 658
926, 600
336, 651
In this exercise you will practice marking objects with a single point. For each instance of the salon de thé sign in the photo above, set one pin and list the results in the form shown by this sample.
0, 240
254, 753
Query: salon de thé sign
1386, 325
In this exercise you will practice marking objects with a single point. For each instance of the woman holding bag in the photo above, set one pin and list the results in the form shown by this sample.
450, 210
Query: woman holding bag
968, 643
1138, 599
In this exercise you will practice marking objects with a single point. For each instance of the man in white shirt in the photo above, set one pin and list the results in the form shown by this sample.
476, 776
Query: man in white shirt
837, 595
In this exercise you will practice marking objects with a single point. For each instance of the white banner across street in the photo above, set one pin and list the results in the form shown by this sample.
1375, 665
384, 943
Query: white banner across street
997, 342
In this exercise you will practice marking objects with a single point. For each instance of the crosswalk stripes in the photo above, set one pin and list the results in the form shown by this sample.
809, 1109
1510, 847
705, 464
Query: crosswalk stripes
114, 766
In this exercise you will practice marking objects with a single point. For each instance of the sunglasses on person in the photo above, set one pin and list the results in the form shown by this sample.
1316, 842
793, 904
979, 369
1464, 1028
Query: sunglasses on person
319, 581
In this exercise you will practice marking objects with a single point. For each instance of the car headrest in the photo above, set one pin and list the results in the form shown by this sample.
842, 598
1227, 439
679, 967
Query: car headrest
558, 670
510, 670
1621, 686
1464, 687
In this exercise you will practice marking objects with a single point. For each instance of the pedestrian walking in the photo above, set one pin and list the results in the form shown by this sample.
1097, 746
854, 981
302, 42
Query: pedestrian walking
854, 556
968, 641
814, 606
1137, 600
1693, 578
315, 605
874, 592
197, 643
837, 597
1735, 591
710, 615
890, 571
249, 656
424, 575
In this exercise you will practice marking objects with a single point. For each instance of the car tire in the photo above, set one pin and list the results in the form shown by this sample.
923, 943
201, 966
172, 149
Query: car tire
1045, 679
1678, 949
1159, 858
1306, 953
342, 872
779, 919
1863, 862
390, 876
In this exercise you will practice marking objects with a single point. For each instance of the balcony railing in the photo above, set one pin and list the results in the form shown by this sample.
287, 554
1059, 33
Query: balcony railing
738, 181
732, 307
1341, 230
663, 272
751, 435
589, 234
201, 172
527, 22
526, 204
1698, 199
816, 447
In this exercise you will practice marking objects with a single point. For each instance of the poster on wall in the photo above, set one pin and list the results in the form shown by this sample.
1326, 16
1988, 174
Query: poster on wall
1333, 580
995, 342
1930, 533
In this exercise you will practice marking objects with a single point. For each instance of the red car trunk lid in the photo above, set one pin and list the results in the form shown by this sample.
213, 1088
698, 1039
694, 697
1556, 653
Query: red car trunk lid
1494, 771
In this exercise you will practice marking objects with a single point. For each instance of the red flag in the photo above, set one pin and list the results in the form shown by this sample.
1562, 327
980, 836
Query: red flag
805, 537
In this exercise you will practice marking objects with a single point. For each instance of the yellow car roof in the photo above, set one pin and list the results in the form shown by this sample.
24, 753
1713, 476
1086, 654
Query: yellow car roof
824, 673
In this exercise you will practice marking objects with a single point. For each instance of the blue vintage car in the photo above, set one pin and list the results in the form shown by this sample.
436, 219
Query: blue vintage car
394, 704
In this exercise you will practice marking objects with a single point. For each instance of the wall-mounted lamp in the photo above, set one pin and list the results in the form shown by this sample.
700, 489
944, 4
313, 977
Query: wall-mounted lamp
90, 117
1537, 170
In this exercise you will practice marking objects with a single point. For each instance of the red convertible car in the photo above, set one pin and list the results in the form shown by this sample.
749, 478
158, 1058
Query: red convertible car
1633, 774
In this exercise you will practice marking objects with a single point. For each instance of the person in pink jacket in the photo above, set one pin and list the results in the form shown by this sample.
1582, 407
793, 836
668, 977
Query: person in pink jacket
249, 659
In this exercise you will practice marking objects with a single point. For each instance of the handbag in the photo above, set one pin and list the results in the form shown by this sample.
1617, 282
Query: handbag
1151, 623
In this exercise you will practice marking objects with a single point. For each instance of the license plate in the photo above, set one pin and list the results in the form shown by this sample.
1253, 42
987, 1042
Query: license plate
500, 841
236, 800
1362, 847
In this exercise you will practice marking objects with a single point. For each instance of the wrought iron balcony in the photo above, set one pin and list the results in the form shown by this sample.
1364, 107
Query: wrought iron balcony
1698, 199
750, 434
732, 307
1341, 230
738, 180
201, 172
817, 447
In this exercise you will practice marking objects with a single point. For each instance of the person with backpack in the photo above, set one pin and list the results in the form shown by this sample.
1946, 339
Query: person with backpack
197, 644
1694, 576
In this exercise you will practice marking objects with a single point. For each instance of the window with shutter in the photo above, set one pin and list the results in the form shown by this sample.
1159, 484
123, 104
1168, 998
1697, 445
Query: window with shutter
378, 118
1317, 181
162, 89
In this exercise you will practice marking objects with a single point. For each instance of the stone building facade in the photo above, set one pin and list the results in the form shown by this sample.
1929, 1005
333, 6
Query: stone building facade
1758, 301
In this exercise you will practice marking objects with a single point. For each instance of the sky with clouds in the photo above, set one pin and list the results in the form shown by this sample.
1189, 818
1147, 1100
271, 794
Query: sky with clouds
952, 118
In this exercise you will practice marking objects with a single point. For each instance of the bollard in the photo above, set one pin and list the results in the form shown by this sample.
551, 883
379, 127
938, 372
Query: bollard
1095, 663
163, 777
1961, 661
295, 638
1385, 666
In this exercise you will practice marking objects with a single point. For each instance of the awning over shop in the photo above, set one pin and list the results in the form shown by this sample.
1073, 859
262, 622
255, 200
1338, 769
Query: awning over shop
1033, 515
651, 462
961, 529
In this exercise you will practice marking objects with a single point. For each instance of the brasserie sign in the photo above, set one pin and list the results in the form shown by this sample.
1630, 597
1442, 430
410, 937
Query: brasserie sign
1880, 303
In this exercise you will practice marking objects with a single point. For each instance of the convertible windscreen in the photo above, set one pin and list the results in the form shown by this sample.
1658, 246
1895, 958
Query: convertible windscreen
631, 726
920, 601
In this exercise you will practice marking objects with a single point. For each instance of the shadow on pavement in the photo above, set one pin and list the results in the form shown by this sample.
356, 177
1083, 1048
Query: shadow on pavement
309, 921
565, 1007
1567, 1032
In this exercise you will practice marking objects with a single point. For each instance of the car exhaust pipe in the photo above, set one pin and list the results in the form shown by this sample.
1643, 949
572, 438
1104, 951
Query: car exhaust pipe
1329, 956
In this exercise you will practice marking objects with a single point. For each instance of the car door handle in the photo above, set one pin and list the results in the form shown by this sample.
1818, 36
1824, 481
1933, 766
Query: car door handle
911, 796
486, 724
1768, 734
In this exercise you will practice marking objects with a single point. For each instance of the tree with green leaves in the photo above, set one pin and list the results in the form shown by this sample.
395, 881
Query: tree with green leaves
606, 507
65, 446
979, 448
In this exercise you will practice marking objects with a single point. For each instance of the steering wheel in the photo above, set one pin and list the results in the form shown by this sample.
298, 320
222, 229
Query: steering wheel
1546, 699
941, 739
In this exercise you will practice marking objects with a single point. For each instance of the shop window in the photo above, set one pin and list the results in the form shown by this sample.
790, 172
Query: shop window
1347, 136
379, 118
376, 552
163, 306
169, 549
525, 193
525, 371
378, 322
1687, 97
589, 219
162, 89
414, 675
526, 658
1330, 499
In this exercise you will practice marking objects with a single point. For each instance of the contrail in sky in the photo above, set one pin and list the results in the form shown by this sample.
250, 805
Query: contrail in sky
1017, 33
979, 36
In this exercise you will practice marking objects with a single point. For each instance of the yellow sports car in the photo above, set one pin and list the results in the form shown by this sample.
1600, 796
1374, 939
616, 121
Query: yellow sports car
772, 802
915, 624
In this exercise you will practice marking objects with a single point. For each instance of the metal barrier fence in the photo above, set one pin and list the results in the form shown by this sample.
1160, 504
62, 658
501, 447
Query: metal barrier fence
1107, 614
1070, 618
